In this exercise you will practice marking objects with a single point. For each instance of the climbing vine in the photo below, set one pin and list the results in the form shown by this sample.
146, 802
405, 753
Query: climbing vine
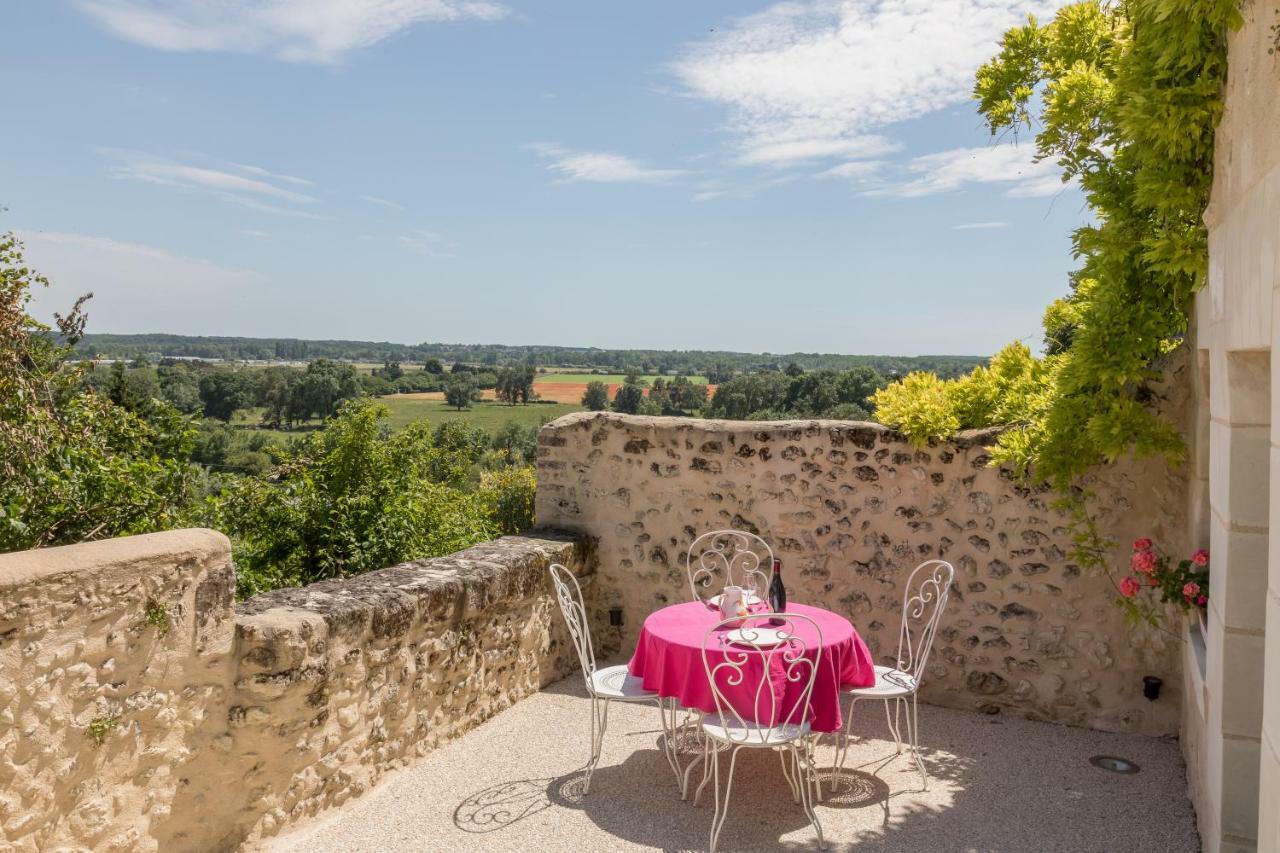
1125, 97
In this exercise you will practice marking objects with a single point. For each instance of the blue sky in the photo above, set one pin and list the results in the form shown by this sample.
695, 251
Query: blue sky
751, 176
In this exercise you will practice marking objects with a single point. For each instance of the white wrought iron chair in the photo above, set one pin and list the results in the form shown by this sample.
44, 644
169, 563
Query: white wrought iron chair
923, 601
610, 684
752, 654
736, 554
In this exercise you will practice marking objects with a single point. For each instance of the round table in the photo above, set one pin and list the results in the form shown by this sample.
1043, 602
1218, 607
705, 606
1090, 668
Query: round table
668, 658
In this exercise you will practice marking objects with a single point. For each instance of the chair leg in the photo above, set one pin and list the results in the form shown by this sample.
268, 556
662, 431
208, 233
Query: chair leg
894, 723
709, 753
722, 809
842, 746
913, 733
669, 729
805, 794
599, 722
792, 781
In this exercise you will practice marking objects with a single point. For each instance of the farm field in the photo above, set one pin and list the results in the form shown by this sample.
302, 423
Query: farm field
408, 408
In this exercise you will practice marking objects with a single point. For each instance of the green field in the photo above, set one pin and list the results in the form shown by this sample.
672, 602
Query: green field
490, 415
608, 378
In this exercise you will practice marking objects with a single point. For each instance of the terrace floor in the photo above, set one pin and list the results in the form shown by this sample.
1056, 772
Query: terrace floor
997, 784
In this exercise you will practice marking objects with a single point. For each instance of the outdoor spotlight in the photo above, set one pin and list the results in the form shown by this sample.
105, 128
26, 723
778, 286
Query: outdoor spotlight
615, 616
1113, 764
1151, 687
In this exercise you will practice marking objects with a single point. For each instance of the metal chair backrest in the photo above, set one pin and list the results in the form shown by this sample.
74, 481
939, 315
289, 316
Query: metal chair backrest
569, 596
923, 600
736, 554
762, 688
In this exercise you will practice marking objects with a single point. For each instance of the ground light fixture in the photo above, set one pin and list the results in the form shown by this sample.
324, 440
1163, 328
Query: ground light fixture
1114, 764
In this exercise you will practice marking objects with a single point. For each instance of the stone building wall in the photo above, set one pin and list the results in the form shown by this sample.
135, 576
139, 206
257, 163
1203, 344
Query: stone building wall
1232, 733
850, 508
235, 720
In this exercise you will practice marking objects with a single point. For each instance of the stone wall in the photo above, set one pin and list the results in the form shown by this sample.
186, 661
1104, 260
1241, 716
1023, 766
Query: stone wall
226, 722
850, 508
111, 657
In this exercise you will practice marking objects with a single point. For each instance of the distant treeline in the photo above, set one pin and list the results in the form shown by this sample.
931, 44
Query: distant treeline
716, 365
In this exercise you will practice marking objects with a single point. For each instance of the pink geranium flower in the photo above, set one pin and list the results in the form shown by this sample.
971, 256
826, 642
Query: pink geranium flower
1191, 590
1202, 601
1143, 544
1144, 562
1129, 586
1200, 558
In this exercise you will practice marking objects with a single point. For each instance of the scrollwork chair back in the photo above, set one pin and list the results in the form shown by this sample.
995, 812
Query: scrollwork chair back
775, 710
569, 596
734, 554
923, 601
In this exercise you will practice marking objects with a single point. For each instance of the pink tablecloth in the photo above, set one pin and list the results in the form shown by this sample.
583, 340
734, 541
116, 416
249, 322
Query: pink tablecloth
668, 658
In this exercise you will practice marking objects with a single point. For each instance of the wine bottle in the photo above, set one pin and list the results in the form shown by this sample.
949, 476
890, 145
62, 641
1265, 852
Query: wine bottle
777, 591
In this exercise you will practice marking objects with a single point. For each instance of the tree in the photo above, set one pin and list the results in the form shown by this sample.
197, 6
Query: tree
461, 392
630, 396
719, 371
180, 387
223, 392
433, 365
1128, 96
390, 370
687, 396
75, 466
352, 498
792, 369
321, 389
596, 397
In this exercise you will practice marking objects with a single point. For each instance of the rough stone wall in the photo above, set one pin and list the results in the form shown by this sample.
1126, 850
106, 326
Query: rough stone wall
126, 640
850, 508
239, 719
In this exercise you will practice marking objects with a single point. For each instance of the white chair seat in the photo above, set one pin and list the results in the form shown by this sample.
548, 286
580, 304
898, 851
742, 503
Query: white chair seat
746, 733
890, 682
615, 682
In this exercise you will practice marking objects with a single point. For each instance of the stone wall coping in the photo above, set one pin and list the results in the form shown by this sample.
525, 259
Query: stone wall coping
108, 557
867, 430
387, 601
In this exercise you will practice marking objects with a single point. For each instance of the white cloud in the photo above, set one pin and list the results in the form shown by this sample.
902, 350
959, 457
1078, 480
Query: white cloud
857, 171
136, 286
255, 233
815, 79
262, 193
382, 202
292, 30
429, 243
947, 171
979, 226
274, 176
601, 167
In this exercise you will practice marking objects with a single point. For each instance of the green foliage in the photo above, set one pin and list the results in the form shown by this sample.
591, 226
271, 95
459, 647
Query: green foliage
461, 391
100, 727
630, 399
508, 495
777, 395
596, 397
75, 466
1129, 96
224, 392
351, 498
156, 615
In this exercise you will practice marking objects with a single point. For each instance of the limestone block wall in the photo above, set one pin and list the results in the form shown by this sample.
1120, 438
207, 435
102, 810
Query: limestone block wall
121, 731
850, 508
112, 657
1236, 760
